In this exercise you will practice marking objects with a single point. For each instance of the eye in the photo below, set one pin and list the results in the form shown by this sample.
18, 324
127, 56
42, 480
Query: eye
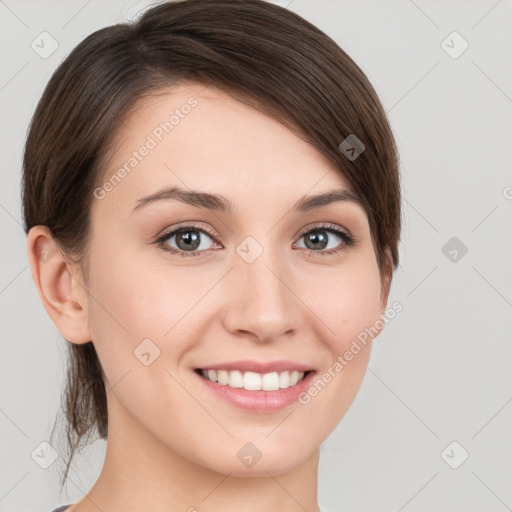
189, 240
317, 239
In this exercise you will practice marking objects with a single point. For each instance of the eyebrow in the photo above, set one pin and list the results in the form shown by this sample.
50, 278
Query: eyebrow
220, 203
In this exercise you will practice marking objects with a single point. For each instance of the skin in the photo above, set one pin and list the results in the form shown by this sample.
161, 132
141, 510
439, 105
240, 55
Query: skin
171, 442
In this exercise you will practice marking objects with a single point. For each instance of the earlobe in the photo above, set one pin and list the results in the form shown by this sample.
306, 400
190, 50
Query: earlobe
62, 295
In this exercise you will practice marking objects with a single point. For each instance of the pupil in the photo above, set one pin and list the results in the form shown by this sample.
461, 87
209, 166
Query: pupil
317, 237
190, 241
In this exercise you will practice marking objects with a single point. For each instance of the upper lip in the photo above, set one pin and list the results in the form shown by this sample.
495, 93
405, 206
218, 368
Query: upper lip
259, 367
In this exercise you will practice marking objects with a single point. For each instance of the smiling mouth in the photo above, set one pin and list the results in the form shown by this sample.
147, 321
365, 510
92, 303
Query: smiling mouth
252, 381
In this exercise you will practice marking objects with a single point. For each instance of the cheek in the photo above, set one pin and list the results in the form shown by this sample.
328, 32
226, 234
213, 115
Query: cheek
347, 302
119, 308
139, 295
136, 298
349, 305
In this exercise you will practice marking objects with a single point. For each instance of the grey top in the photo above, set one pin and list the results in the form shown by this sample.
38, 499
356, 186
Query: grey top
65, 507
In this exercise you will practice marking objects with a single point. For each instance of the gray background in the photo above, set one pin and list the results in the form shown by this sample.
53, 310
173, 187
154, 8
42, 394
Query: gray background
440, 372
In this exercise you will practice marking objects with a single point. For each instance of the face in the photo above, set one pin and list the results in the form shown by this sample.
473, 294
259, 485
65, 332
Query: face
262, 287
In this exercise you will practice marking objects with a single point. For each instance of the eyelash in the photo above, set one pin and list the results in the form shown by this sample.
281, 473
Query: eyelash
348, 240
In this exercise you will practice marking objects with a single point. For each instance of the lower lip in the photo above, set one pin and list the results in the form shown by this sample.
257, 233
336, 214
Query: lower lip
259, 401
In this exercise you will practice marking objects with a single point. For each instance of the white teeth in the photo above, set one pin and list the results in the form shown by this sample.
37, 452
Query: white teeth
284, 380
270, 381
253, 381
236, 379
222, 377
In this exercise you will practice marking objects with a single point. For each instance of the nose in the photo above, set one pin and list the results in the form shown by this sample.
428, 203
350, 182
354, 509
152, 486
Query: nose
262, 303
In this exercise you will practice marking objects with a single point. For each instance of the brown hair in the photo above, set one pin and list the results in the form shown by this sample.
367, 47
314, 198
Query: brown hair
260, 53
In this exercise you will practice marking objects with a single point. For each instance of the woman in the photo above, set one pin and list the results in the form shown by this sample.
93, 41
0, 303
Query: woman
212, 202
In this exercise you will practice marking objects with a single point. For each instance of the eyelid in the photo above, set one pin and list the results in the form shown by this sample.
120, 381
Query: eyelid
190, 225
302, 232
325, 225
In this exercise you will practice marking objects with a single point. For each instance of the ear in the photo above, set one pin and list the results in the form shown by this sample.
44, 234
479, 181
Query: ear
59, 285
387, 273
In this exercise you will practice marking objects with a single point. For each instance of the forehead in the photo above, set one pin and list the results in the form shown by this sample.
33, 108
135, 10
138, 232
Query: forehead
199, 137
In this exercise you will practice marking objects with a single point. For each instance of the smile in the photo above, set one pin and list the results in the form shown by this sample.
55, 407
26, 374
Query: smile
252, 381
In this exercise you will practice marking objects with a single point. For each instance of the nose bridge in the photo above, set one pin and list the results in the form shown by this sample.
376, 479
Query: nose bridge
262, 300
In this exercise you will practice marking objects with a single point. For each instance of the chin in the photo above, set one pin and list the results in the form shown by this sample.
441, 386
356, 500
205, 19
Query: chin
249, 461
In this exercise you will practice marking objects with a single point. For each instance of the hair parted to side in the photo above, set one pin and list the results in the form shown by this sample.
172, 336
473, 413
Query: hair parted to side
258, 52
